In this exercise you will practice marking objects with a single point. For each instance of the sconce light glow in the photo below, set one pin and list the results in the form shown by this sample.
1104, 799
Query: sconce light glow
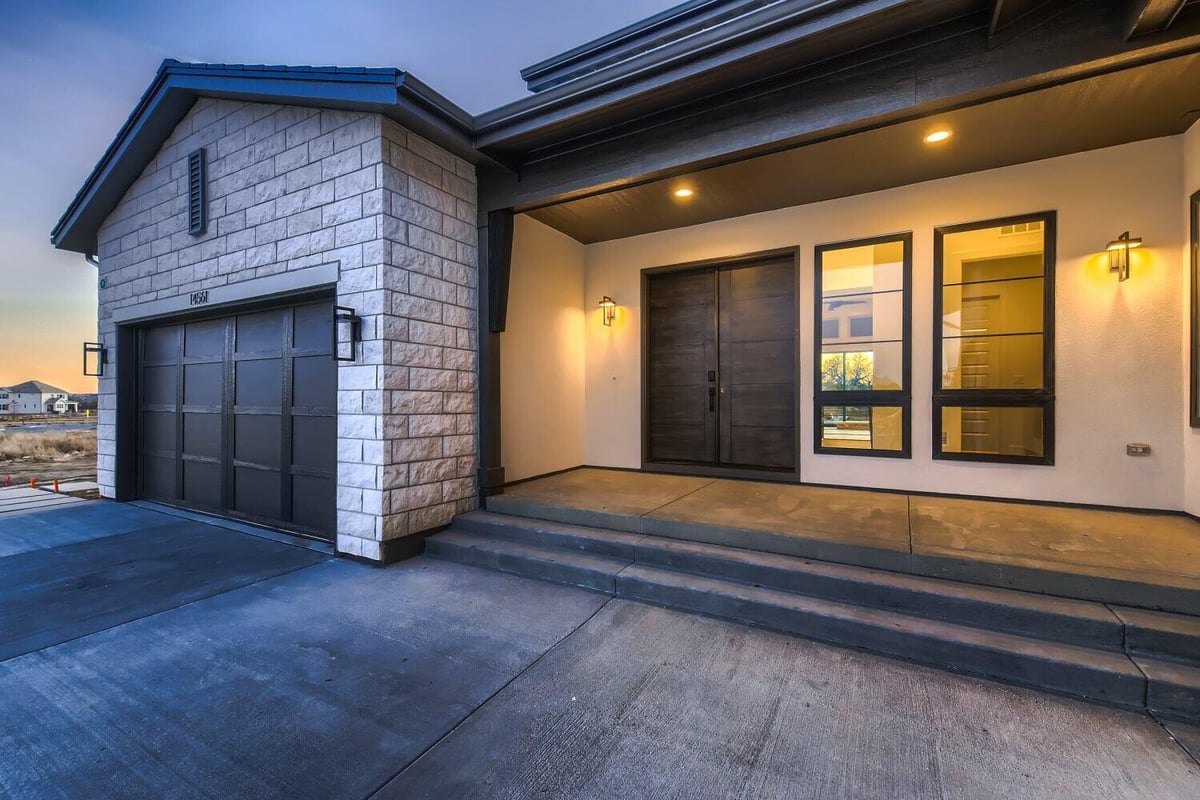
683, 193
1118, 254
938, 136
609, 307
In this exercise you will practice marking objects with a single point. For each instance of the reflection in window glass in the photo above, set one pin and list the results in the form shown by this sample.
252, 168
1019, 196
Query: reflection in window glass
993, 397
993, 362
862, 427
862, 295
999, 431
862, 402
861, 327
993, 289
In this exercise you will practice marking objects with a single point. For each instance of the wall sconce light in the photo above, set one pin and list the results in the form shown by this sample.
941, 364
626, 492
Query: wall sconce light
1118, 254
347, 329
95, 356
609, 306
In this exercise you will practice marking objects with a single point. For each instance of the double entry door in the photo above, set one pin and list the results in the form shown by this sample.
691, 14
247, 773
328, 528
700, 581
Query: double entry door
721, 365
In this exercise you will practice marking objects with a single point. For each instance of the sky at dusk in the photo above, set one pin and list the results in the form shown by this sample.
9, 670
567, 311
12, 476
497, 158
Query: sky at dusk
74, 71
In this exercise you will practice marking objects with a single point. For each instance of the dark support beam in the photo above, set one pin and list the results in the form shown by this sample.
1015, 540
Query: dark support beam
500, 242
1150, 16
1011, 18
495, 256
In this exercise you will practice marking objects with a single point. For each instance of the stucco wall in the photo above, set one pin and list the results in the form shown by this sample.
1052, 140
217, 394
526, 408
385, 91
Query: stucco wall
541, 353
354, 200
1191, 436
1118, 346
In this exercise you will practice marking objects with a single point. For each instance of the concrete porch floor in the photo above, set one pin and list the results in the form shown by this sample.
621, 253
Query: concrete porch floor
1142, 559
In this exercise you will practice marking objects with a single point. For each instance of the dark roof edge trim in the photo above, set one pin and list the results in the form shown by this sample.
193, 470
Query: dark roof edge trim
631, 37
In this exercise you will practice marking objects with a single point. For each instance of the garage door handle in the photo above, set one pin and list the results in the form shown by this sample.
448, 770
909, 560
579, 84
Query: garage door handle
712, 398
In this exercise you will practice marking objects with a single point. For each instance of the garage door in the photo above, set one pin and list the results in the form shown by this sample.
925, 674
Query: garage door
238, 415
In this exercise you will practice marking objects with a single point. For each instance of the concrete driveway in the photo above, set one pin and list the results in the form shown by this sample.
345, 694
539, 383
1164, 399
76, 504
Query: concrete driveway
145, 655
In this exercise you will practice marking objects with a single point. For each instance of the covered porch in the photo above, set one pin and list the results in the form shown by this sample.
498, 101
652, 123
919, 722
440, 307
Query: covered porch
867, 312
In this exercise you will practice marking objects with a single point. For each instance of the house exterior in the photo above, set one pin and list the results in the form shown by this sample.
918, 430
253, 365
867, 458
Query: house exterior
35, 397
841, 243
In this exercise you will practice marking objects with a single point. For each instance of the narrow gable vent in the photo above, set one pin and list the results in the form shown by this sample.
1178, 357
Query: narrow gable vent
197, 193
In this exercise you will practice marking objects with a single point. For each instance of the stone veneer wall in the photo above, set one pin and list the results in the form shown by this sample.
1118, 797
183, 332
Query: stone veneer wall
292, 188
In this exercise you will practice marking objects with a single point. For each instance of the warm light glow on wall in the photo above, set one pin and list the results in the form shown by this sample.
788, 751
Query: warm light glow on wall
938, 136
683, 193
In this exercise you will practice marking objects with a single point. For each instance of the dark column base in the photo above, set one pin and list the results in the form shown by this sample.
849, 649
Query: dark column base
491, 482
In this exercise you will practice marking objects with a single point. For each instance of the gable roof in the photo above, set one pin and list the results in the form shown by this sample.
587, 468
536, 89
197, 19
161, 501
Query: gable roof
35, 387
176, 86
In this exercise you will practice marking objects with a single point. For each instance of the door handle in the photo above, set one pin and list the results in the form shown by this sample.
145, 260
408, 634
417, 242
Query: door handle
712, 399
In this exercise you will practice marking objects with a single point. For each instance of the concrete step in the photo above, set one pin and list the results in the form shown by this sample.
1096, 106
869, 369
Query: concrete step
1173, 688
1008, 610
1160, 634
1045, 579
556, 564
555, 534
1080, 671
1128, 657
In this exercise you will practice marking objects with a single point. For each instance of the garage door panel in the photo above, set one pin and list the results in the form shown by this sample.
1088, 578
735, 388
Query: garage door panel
313, 327
245, 405
313, 502
202, 384
261, 333
256, 492
259, 383
314, 384
257, 439
158, 433
161, 345
314, 442
160, 386
202, 435
158, 478
205, 339
202, 483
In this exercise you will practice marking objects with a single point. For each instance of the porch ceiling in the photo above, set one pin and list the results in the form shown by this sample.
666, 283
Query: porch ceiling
1145, 102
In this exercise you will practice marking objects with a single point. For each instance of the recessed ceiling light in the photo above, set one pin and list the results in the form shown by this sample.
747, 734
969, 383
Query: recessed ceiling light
938, 136
683, 192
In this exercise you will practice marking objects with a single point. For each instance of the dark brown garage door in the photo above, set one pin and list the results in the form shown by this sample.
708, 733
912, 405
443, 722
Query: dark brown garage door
238, 415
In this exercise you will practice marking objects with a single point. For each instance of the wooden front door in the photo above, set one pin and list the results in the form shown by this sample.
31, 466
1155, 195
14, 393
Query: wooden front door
720, 366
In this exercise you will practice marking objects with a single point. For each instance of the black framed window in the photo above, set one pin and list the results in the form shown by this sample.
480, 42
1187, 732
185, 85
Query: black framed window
862, 403
993, 320
1195, 311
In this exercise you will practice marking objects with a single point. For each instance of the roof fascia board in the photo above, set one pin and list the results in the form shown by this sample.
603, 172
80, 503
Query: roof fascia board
640, 37
748, 36
626, 34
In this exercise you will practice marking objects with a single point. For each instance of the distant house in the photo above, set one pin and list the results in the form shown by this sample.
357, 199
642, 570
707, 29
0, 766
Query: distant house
35, 397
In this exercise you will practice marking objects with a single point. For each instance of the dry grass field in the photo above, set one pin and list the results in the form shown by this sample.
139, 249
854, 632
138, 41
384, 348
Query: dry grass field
47, 456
